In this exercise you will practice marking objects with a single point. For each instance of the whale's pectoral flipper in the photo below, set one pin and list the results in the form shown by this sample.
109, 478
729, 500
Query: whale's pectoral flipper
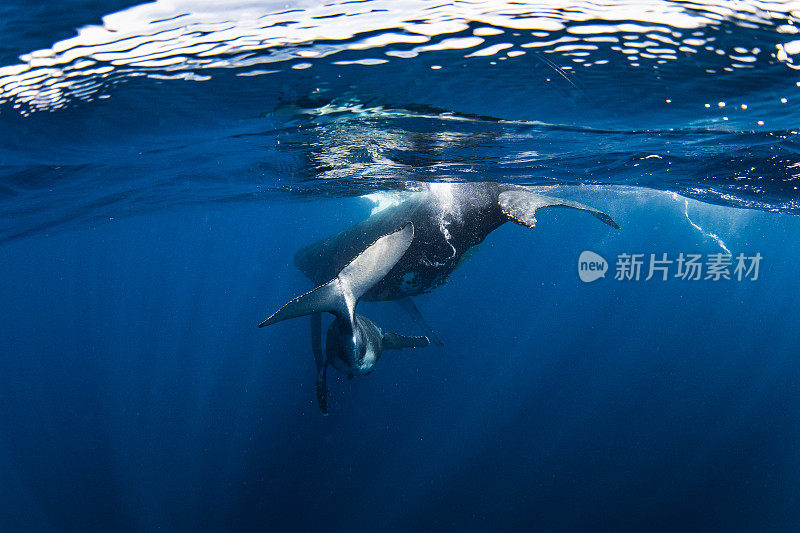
521, 205
340, 295
410, 307
330, 297
393, 341
321, 362
322, 389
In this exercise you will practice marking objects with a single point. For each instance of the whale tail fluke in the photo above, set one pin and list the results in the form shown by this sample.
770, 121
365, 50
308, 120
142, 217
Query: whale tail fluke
340, 295
393, 341
520, 206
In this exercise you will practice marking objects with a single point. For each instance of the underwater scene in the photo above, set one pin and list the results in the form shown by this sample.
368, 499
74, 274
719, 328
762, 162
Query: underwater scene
399, 265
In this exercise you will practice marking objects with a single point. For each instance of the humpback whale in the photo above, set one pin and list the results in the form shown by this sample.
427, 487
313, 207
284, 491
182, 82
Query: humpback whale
448, 219
354, 343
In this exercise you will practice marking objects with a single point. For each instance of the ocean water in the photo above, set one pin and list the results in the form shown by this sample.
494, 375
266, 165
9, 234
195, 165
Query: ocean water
161, 163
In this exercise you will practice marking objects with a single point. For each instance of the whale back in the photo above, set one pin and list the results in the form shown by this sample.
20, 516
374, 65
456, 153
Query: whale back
323, 259
448, 220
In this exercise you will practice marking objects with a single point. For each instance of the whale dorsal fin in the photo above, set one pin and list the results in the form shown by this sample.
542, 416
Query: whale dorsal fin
393, 341
340, 295
520, 206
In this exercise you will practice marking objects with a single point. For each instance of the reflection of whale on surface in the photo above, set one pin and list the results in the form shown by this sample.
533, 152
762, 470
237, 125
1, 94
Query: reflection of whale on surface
354, 343
448, 218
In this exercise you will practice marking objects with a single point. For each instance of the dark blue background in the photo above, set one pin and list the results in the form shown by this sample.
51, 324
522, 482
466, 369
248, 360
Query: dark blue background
144, 236
138, 393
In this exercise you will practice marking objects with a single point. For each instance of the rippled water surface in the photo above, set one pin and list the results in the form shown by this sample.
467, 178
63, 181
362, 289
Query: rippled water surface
166, 103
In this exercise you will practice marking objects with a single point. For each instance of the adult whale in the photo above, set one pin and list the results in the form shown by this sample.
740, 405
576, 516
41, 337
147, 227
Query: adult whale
448, 218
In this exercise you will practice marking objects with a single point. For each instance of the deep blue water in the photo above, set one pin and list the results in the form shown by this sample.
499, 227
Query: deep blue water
158, 173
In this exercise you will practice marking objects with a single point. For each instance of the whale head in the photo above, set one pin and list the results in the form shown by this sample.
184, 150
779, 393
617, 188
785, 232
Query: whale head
354, 350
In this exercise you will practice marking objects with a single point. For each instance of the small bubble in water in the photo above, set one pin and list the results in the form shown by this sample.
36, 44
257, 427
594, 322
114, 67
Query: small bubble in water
721, 104
708, 105
760, 122
744, 106
784, 100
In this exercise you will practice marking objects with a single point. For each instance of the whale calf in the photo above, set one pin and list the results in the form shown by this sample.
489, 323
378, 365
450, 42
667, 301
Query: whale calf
354, 343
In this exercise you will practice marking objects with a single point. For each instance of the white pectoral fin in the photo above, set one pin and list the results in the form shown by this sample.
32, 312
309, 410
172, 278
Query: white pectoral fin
393, 341
408, 305
520, 206
340, 295
371, 265
325, 298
